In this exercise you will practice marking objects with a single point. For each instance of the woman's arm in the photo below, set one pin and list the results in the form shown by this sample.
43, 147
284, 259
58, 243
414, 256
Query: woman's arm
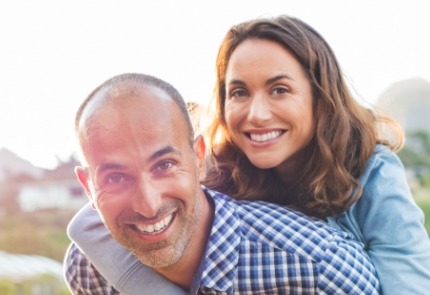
117, 265
391, 226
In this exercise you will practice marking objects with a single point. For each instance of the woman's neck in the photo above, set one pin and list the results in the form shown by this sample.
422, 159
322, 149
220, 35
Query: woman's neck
288, 170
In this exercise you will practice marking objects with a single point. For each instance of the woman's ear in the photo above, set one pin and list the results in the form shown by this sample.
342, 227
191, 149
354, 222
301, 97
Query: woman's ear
199, 147
82, 175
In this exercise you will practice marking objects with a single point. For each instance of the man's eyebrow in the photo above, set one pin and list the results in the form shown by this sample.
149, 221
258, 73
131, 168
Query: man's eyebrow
115, 166
109, 166
166, 150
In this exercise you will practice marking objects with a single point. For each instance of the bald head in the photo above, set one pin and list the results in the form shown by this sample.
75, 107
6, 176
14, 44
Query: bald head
131, 84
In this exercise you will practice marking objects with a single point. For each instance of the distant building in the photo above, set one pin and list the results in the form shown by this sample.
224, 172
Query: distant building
35, 188
12, 165
50, 194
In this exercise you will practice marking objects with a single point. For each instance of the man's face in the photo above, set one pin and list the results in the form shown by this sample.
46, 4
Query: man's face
142, 174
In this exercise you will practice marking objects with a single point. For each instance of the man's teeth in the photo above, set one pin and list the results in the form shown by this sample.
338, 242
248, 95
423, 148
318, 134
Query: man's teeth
150, 228
266, 136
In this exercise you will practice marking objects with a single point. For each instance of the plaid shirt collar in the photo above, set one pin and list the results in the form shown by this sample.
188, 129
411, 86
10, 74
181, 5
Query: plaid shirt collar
222, 255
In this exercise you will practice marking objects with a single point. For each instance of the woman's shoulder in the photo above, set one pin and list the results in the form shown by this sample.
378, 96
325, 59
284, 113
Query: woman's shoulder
383, 160
386, 195
384, 183
382, 153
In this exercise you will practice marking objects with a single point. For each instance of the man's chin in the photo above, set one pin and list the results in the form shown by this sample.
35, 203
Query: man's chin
160, 254
158, 258
154, 255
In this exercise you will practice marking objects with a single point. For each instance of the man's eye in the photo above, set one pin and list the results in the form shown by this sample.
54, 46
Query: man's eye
165, 165
116, 178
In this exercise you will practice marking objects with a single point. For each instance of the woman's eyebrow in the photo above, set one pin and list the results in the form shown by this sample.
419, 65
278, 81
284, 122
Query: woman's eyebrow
278, 77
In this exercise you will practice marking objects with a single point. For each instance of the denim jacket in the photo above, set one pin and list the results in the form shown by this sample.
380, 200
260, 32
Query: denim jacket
388, 222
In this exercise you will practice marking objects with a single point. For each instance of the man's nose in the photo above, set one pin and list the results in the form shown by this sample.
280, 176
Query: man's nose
147, 199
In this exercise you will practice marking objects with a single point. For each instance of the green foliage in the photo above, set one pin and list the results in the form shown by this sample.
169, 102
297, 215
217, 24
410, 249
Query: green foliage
415, 155
39, 233
410, 157
425, 180
64, 290
36, 233
43, 284
7, 287
424, 204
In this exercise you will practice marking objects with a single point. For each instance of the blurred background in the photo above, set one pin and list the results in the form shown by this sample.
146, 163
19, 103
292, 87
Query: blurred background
54, 53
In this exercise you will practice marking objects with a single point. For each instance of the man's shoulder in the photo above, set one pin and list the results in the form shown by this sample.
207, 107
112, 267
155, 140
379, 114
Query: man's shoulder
248, 236
264, 223
254, 212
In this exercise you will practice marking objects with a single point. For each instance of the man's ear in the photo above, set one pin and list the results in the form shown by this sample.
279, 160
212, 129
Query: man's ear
199, 147
82, 175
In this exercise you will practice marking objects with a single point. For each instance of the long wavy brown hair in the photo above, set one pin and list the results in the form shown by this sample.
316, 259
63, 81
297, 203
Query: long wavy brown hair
345, 136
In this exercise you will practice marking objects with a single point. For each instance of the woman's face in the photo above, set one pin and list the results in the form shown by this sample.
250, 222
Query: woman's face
268, 106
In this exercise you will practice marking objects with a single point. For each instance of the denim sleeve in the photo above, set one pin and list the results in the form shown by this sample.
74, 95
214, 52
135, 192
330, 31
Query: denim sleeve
114, 262
390, 224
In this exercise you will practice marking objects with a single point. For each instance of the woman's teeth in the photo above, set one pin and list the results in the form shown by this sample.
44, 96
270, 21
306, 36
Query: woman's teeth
266, 136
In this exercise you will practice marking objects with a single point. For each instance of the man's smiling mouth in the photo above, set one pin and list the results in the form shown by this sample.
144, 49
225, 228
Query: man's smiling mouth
156, 227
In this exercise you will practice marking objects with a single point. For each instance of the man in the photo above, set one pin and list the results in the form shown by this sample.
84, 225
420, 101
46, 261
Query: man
141, 169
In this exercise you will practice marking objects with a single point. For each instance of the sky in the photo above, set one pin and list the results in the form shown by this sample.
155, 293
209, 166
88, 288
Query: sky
53, 53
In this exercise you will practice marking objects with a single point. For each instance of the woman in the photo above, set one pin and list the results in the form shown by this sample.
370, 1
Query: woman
287, 126
287, 130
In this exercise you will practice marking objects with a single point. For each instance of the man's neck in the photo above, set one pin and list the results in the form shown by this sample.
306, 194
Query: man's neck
182, 272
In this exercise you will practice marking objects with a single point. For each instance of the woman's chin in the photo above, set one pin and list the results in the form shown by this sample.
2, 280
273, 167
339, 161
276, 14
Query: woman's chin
264, 163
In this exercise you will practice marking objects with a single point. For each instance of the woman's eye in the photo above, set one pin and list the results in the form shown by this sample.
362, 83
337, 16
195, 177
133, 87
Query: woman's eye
238, 93
280, 90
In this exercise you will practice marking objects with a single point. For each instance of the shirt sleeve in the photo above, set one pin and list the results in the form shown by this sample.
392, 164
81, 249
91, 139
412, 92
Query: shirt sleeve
81, 276
345, 268
118, 265
391, 225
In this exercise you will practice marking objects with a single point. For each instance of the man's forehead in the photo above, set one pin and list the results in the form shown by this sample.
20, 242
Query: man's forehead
114, 99
115, 94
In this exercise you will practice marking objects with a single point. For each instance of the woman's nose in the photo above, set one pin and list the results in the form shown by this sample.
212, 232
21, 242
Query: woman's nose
259, 110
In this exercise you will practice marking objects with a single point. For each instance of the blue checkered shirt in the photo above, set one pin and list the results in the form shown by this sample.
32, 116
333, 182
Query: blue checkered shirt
261, 248
82, 277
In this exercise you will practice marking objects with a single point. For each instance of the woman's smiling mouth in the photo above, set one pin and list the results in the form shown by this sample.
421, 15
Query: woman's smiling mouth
263, 137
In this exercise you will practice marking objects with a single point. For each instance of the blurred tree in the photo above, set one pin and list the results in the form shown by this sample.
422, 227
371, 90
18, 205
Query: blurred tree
415, 155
